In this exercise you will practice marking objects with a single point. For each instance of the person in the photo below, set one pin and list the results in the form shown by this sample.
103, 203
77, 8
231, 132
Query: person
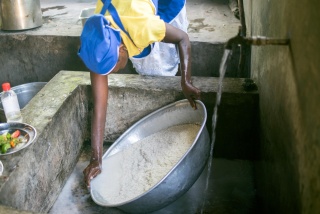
153, 44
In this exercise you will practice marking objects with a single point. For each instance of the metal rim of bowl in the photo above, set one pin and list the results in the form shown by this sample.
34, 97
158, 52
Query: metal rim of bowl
26, 128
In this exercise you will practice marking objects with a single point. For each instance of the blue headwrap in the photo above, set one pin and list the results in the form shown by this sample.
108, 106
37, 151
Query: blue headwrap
100, 43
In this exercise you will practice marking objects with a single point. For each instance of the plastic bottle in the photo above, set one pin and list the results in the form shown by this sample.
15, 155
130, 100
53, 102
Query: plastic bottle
10, 104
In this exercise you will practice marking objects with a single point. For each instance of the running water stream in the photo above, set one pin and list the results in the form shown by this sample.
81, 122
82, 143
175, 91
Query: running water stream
222, 70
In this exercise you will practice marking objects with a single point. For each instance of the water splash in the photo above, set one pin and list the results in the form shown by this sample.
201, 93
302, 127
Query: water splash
222, 71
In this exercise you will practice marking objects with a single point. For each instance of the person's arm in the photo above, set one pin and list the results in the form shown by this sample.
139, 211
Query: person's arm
181, 38
99, 84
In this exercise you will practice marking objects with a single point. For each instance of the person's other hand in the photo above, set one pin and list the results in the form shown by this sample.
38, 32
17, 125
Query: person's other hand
91, 171
191, 93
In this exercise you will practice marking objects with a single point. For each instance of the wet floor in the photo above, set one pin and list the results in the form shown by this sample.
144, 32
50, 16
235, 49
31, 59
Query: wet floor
230, 191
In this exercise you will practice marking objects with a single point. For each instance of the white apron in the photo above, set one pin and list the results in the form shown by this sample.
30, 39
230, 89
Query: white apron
163, 59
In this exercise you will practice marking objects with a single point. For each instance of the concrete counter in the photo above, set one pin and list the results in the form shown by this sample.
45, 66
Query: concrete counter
34, 177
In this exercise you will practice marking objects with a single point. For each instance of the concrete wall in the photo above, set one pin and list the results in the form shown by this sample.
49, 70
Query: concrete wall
34, 176
36, 55
37, 58
288, 174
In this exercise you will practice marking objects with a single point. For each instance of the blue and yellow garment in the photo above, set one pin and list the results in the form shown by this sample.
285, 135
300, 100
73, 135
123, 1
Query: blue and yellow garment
144, 20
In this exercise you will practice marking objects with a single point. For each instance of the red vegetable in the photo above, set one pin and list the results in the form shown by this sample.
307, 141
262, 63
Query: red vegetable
15, 134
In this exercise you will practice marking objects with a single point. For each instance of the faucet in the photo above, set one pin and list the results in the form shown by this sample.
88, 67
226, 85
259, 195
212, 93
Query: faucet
256, 40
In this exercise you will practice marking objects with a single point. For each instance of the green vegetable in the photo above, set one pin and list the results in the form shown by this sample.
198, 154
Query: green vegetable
8, 141
5, 147
3, 139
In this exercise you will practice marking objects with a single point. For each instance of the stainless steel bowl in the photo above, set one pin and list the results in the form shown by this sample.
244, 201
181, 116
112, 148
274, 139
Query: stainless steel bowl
183, 175
26, 130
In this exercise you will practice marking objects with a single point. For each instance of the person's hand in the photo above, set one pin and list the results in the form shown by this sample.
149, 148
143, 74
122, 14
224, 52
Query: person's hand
91, 171
191, 93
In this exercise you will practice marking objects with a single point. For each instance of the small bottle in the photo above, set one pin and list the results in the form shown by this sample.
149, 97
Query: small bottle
10, 104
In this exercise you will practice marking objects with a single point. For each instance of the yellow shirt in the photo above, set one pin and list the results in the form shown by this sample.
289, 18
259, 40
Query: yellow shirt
139, 20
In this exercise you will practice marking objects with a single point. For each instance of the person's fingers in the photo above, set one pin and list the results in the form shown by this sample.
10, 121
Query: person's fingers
192, 94
192, 103
95, 173
87, 174
88, 178
196, 96
197, 93
90, 175
195, 105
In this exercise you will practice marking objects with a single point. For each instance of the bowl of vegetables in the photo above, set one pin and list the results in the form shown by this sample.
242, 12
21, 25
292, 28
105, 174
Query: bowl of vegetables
15, 136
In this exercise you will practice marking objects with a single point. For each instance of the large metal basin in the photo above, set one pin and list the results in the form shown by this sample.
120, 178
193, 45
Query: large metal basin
25, 93
20, 15
183, 175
